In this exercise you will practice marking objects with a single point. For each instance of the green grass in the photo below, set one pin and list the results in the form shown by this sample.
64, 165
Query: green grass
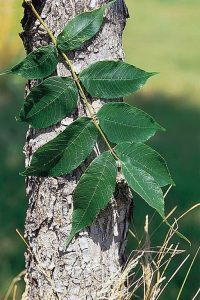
164, 36
12, 188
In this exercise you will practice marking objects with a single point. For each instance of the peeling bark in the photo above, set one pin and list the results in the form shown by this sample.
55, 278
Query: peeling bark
80, 270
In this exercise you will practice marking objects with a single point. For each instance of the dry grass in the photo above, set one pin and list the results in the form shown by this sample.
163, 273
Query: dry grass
12, 290
146, 268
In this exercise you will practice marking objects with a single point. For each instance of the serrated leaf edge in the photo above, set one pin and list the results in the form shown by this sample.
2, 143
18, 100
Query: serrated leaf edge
124, 165
26, 119
60, 153
139, 163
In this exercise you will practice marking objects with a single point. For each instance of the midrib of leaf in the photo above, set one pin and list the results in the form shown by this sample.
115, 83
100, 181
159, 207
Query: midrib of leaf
62, 151
150, 199
127, 125
83, 28
41, 62
72, 142
46, 106
137, 182
99, 73
60, 86
139, 163
112, 79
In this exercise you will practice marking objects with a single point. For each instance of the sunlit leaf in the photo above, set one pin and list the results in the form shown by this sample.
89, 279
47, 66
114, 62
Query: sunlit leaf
38, 64
123, 122
113, 79
146, 159
144, 185
66, 152
81, 28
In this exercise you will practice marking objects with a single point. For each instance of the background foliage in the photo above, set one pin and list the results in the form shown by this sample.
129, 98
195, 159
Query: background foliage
161, 35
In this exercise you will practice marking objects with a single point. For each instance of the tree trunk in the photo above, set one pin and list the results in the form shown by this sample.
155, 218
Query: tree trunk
83, 269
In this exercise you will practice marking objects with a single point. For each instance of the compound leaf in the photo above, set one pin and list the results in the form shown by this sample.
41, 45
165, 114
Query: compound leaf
38, 64
144, 185
81, 29
123, 122
49, 102
146, 159
66, 152
113, 79
93, 192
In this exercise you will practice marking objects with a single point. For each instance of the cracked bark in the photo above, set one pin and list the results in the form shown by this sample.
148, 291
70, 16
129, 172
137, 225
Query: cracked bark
81, 270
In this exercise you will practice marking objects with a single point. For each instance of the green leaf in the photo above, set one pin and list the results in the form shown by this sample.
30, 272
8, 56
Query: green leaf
38, 64
146, 159
144, 185
81, 29
113, 79
50, 102
66, 152
93, 192
122, 122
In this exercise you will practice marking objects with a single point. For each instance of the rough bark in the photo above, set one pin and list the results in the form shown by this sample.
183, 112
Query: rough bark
80, 270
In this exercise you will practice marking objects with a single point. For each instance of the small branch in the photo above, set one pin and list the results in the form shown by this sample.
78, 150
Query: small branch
76, 79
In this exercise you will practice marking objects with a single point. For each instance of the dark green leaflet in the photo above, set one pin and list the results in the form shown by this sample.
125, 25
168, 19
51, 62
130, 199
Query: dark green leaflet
113, 79
38, 64
144, 185
66, 152
145, 158
81, 29
123, 122
50, 102
93, 192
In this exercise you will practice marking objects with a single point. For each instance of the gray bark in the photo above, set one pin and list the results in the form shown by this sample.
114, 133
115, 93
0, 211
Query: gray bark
81, 270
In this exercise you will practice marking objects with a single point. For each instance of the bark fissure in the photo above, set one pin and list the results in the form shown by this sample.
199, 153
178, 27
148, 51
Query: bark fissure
80, 270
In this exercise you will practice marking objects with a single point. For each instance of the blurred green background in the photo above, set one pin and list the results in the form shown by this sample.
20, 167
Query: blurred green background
163, 36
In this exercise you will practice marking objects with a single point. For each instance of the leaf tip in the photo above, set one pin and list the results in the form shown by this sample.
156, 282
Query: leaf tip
5, 73
27, 172
162, 212
154, 73
23, 173
172, 182
161, 128
70, 238
19, 119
